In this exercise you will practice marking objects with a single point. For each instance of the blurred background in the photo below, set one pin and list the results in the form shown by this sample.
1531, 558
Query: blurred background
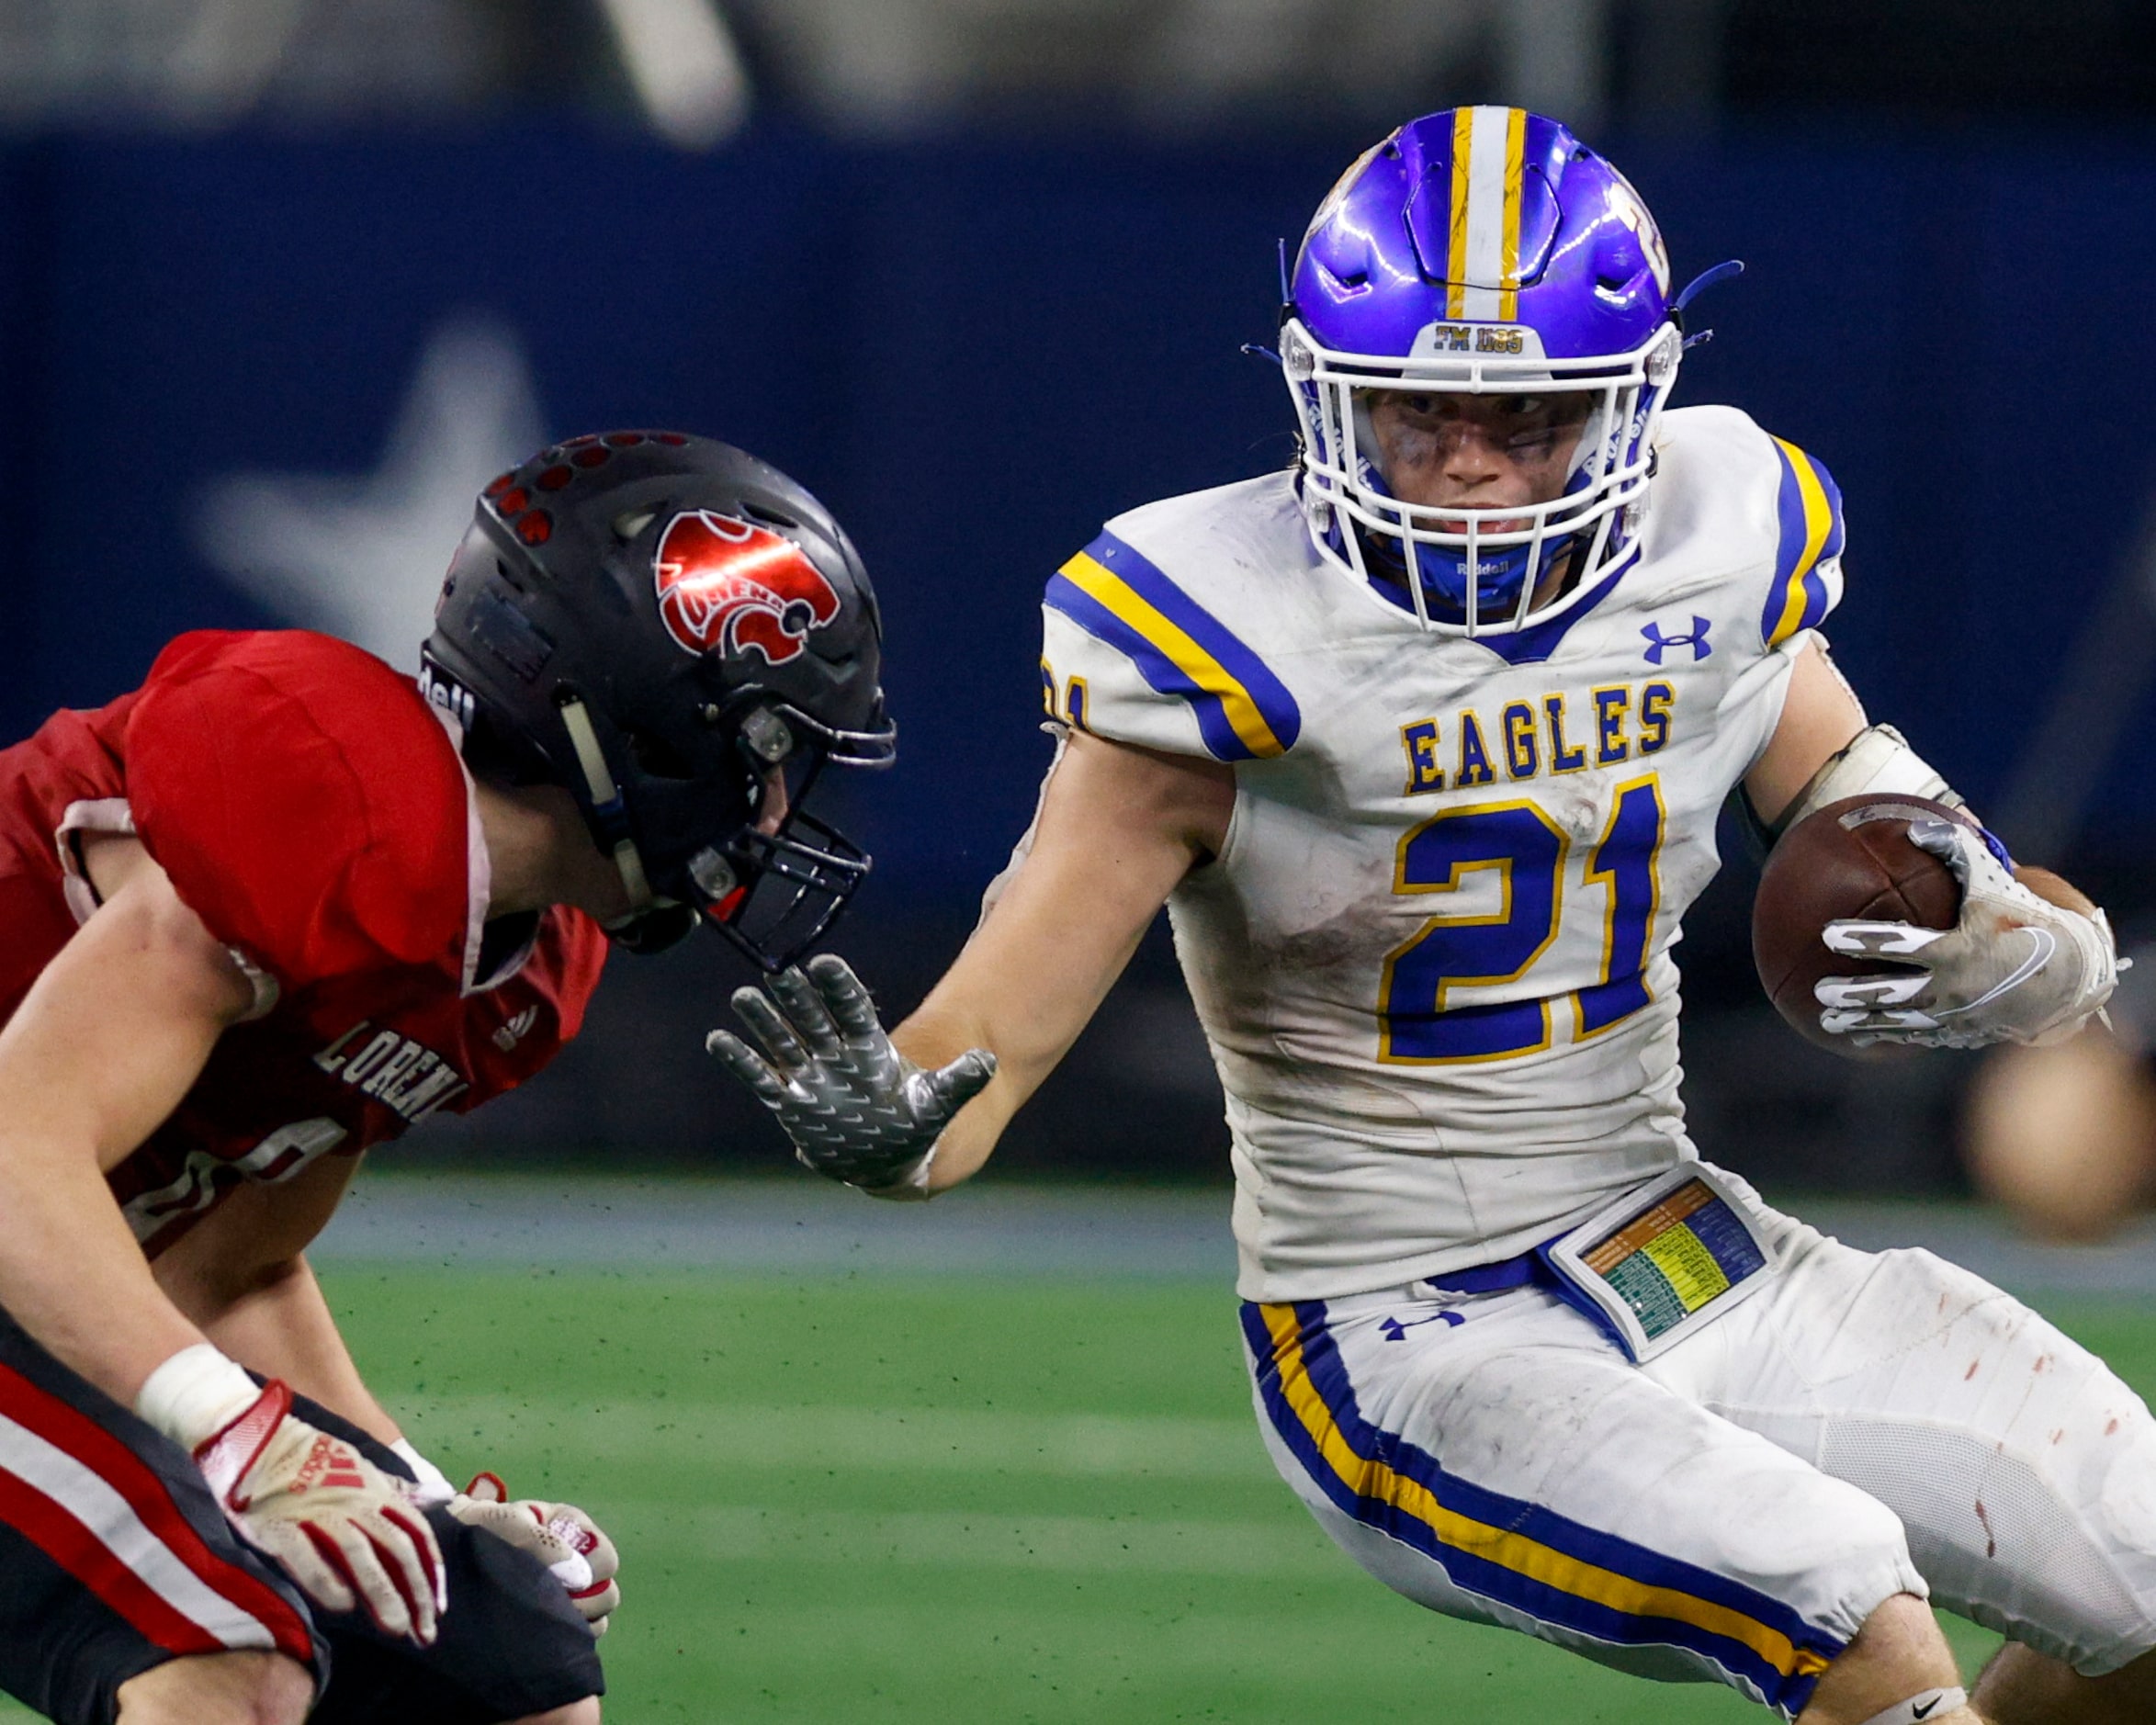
283, 282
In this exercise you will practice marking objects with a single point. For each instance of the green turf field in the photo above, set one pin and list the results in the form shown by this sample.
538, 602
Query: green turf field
893, 1499
900, 1499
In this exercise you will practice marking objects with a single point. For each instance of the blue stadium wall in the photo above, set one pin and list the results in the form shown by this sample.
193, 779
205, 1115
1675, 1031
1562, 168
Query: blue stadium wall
976, 348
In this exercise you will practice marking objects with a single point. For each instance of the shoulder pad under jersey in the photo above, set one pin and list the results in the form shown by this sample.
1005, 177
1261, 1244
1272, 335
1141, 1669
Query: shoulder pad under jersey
1734, 503
305, 802
1133, 654
1807, 581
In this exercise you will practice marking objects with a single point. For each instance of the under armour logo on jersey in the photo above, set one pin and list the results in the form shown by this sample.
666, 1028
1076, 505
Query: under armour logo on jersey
1659, 643
513, 1033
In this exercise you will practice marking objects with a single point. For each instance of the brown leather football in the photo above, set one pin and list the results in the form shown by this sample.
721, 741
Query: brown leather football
1850, 860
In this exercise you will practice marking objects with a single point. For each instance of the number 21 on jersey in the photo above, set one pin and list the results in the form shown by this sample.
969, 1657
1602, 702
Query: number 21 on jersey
1527, 851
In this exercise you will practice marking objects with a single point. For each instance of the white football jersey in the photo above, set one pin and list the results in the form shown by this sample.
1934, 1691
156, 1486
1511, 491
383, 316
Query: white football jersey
1434, 958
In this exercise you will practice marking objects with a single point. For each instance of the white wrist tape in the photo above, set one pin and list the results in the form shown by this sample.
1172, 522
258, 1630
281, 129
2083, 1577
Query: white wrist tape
196, 1394
1920, 1709
434, 1484
1877, 759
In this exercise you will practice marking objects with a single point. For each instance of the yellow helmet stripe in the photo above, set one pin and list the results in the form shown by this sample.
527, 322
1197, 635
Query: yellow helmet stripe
1515, 171
1456, 254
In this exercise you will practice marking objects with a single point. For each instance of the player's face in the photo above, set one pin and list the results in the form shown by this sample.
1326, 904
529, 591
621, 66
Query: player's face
1478, 451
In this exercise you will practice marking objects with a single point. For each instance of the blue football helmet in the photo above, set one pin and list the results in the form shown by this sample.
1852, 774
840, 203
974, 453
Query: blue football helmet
1482, 251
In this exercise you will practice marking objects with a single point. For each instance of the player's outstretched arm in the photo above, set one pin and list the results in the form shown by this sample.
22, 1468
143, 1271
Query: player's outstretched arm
1118, 828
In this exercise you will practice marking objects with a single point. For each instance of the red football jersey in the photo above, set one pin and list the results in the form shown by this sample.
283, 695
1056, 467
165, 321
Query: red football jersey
310, 807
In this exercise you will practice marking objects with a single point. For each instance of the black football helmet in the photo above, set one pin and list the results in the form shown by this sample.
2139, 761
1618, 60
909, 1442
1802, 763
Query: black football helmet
682, 637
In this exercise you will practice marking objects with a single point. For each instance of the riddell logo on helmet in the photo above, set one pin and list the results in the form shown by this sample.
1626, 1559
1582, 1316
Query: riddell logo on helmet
726, 586
453, 698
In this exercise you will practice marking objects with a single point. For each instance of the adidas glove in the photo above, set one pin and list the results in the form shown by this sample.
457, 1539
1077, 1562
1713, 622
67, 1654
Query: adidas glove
336, 1524
569, 1542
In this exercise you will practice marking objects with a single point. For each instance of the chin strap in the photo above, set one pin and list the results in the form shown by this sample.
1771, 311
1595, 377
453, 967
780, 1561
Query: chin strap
606, 804
652, 931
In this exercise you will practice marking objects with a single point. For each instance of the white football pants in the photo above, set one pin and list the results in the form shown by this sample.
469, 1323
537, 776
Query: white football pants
1733, 1510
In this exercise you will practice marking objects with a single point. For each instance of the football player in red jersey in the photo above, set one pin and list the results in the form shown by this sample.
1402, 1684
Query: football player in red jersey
273, 906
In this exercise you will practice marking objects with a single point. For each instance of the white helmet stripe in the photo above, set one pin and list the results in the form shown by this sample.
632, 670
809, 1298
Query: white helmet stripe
1488, 150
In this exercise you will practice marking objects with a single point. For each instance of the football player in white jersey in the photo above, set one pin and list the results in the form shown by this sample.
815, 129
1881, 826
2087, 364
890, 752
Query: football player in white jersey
1422, 742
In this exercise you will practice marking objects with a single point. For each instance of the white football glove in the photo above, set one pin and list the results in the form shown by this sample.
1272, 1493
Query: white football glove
856, 1109
560, 1536
339, 1526
2015, 967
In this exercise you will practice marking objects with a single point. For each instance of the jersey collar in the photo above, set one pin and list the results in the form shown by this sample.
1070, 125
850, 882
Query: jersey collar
1535, 643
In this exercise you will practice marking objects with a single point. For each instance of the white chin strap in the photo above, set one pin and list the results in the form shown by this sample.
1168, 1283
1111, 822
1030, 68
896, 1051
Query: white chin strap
1921, 1709
598, 782
633, 880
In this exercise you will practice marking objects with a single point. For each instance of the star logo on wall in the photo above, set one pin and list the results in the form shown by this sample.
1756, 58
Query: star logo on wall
361, 556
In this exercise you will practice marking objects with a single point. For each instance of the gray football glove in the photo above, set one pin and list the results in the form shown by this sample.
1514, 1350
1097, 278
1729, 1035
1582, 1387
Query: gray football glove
2015, 967
856, 1109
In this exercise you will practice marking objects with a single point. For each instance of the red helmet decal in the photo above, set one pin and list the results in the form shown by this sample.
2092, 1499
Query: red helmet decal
725, 585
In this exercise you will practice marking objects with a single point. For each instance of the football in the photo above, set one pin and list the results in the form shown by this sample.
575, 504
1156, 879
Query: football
1850, 860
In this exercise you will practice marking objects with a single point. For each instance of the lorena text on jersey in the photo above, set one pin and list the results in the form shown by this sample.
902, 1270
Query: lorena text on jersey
396, 1071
